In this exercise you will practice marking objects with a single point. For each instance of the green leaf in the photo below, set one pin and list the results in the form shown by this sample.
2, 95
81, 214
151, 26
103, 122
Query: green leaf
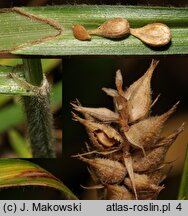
11, 116
23, 34
15, 172
4, 99
56, 96
49, 64
19, 144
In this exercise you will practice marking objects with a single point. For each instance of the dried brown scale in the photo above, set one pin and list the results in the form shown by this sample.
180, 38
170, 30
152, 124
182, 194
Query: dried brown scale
124, 171
146, 132
142, 183
98, 128
157, 177
116, 156
110, 92
102, 114
93, 175
129, 166
108, 171
153, 159
93, 140
91, 135
116, 192
170, 139
139, 95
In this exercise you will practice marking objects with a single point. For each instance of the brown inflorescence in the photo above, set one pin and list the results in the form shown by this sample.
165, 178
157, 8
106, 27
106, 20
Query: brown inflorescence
127, 152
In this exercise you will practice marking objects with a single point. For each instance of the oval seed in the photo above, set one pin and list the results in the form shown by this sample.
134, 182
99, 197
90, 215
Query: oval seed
155, 34
80, 33
113, 28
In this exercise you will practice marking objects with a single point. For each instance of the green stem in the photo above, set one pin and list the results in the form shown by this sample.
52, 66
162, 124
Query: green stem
33, 71
39, 116
183, 190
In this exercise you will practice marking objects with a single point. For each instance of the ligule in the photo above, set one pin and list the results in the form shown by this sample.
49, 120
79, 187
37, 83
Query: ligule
127, 152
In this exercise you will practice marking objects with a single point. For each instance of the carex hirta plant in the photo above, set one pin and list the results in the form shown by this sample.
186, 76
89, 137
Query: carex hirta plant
126, 152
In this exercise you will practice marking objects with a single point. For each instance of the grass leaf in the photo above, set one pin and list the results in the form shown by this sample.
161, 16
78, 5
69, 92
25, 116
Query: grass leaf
19, 144
30, 36
15, 172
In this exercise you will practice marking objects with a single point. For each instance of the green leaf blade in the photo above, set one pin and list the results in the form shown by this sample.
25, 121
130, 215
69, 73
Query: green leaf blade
19, 144
16, 172
91, 16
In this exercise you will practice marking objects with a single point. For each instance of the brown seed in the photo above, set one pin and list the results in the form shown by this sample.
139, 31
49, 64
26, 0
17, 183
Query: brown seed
94, 127
80, 33
94, 140
116, 192
108, 171
155, 34
113, 28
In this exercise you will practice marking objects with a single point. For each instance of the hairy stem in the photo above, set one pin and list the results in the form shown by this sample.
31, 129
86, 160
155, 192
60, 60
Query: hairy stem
37, 108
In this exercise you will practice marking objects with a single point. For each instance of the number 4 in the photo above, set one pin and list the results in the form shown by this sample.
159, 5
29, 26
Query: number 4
179, 207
